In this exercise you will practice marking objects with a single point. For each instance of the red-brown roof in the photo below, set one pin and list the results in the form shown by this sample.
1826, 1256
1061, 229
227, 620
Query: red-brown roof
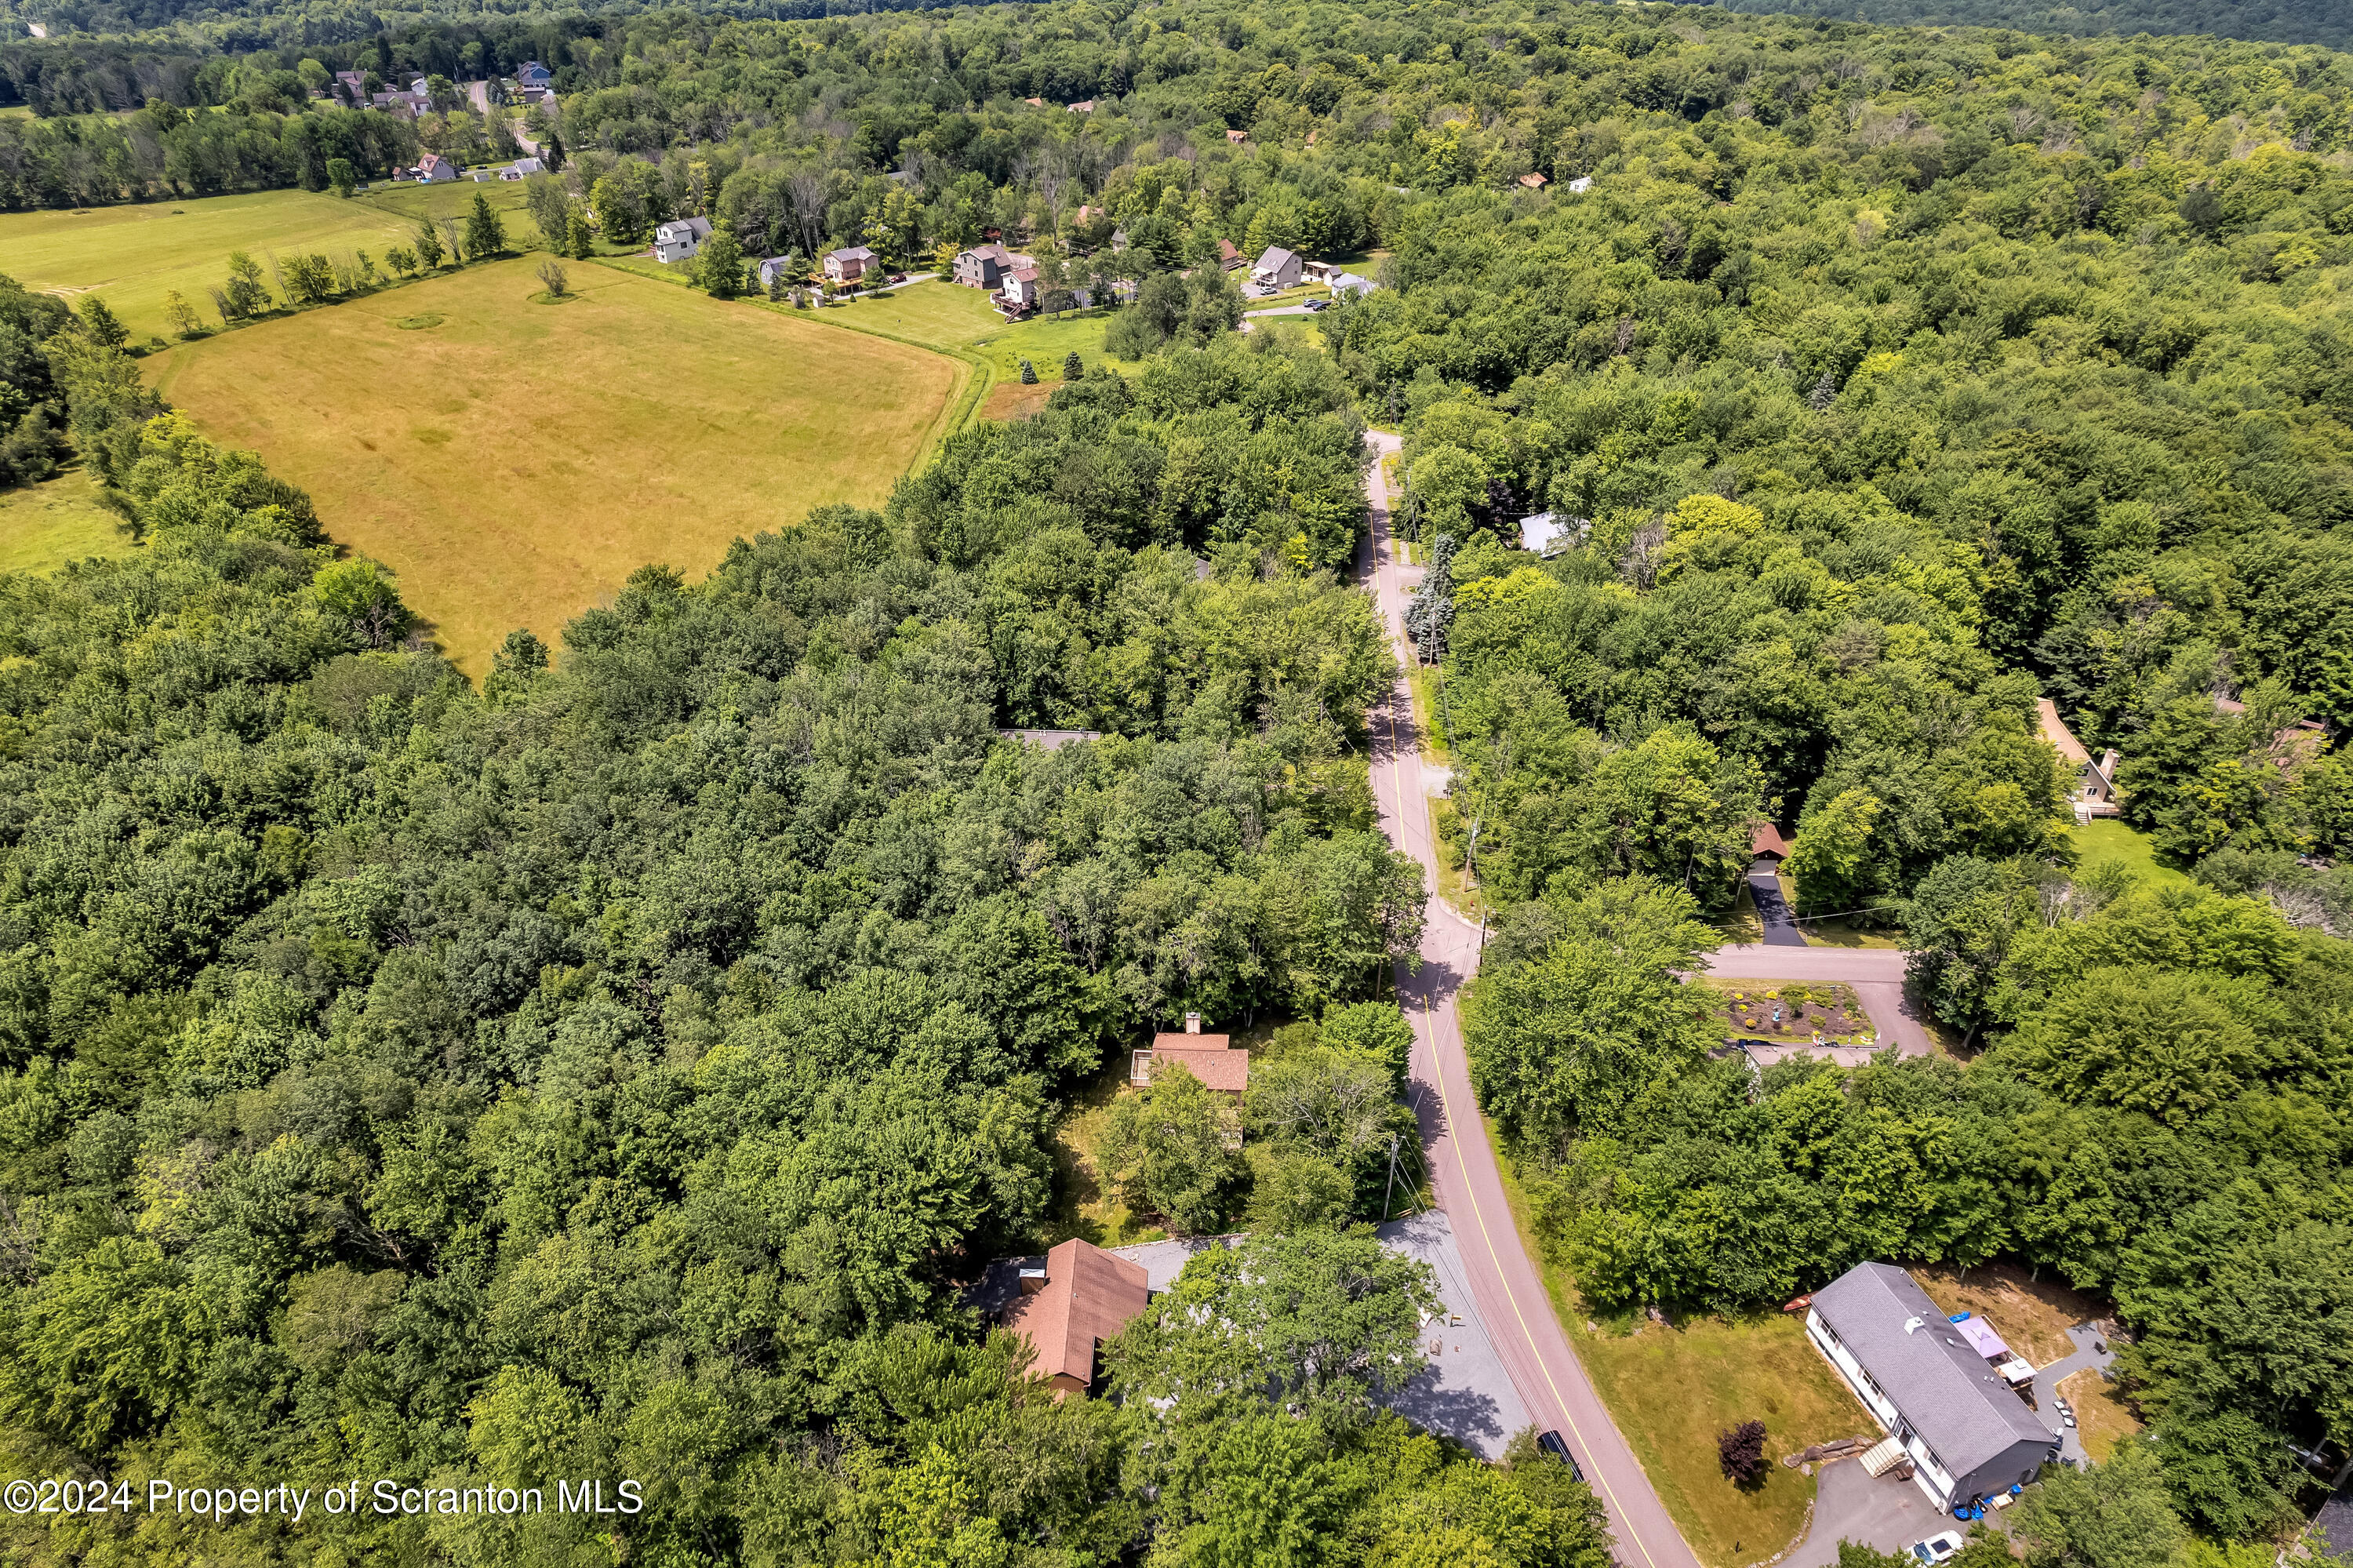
1089, 1295
1767, 840
1175, 1042
1207, 1057
1533, 180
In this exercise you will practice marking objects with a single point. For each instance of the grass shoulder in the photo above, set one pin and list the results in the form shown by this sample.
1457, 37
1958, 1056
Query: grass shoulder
1672, 1386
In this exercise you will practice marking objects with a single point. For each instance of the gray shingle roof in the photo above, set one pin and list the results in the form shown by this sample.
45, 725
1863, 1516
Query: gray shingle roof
1950, 1394
2335, 1522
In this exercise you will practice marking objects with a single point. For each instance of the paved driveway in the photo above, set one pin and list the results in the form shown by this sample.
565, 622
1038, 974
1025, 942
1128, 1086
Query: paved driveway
1887, 1515
2087, 1356
1465, 1393
1875, 973
1780, 924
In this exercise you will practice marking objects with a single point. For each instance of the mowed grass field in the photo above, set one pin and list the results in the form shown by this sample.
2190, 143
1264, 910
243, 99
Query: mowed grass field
954, 320
45, 526
132, 257
514, 462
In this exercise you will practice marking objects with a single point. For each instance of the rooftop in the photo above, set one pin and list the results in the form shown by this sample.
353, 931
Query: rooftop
1205, 1057
1089, 1295
1952, 1397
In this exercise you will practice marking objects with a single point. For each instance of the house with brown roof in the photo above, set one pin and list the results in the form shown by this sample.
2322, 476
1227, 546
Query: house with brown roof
1534, 182
1018, 291
1083, 106
1766, 842
1081, 1297
1209, 1057
1229, 259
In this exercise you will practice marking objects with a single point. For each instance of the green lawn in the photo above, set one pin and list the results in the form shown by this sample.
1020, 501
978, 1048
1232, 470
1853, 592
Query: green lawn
1043, 341
42, 526
1670, 1388
2105, 838
132, 255
935, 314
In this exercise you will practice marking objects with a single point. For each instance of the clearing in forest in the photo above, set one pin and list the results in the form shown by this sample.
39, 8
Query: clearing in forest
131, 256
515, 461
42, 526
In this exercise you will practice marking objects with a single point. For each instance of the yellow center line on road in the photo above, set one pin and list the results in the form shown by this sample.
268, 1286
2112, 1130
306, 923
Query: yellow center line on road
1454, 1131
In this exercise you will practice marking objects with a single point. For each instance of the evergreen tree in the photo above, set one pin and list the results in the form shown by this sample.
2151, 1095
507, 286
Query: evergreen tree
1432, 612
429, 246
1028, 374
485, 235
1073, 368
102, 325
579, 242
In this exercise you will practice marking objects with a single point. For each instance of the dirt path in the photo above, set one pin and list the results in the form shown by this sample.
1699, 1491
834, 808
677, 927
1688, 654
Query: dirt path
1504, 1279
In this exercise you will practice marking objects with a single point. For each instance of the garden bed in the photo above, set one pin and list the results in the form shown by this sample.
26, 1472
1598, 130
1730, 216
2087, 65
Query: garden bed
1795, 1011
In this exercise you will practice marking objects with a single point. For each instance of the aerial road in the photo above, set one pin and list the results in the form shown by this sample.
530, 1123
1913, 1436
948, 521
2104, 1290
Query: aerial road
1508, 1291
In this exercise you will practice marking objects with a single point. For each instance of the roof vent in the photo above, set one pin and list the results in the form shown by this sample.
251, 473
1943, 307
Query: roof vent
1912, 1324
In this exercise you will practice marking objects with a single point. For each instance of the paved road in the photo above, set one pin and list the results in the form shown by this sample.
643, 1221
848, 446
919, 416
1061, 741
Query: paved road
1503, 1279
1875, 973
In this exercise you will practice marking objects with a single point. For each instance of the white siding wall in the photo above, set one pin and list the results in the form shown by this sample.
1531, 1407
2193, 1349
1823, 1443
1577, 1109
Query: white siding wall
1927, 1471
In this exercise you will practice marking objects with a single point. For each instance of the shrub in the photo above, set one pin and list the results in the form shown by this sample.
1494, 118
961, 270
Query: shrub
1741, 1452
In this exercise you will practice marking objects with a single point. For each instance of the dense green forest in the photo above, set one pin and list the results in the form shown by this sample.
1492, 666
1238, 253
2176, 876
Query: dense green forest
615, 1069
2267, 21
619, 1061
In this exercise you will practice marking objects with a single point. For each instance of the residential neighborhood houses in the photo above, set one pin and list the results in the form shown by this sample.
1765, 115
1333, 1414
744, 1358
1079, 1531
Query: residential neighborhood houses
984, 266
1017, 295
1276, 270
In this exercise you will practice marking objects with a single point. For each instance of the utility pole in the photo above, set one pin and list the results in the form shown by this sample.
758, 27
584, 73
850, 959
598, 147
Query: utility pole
1391, 1186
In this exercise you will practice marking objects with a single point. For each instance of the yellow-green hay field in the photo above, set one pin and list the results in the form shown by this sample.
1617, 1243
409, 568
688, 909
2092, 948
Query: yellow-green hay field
45, 526
515, 461
132, 257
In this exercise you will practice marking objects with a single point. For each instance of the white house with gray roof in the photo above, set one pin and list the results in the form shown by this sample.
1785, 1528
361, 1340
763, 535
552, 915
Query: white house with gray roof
1967, 1435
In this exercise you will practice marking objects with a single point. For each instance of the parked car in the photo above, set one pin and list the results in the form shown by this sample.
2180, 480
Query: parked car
1319, 305
1938, 1547
1551, 1442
